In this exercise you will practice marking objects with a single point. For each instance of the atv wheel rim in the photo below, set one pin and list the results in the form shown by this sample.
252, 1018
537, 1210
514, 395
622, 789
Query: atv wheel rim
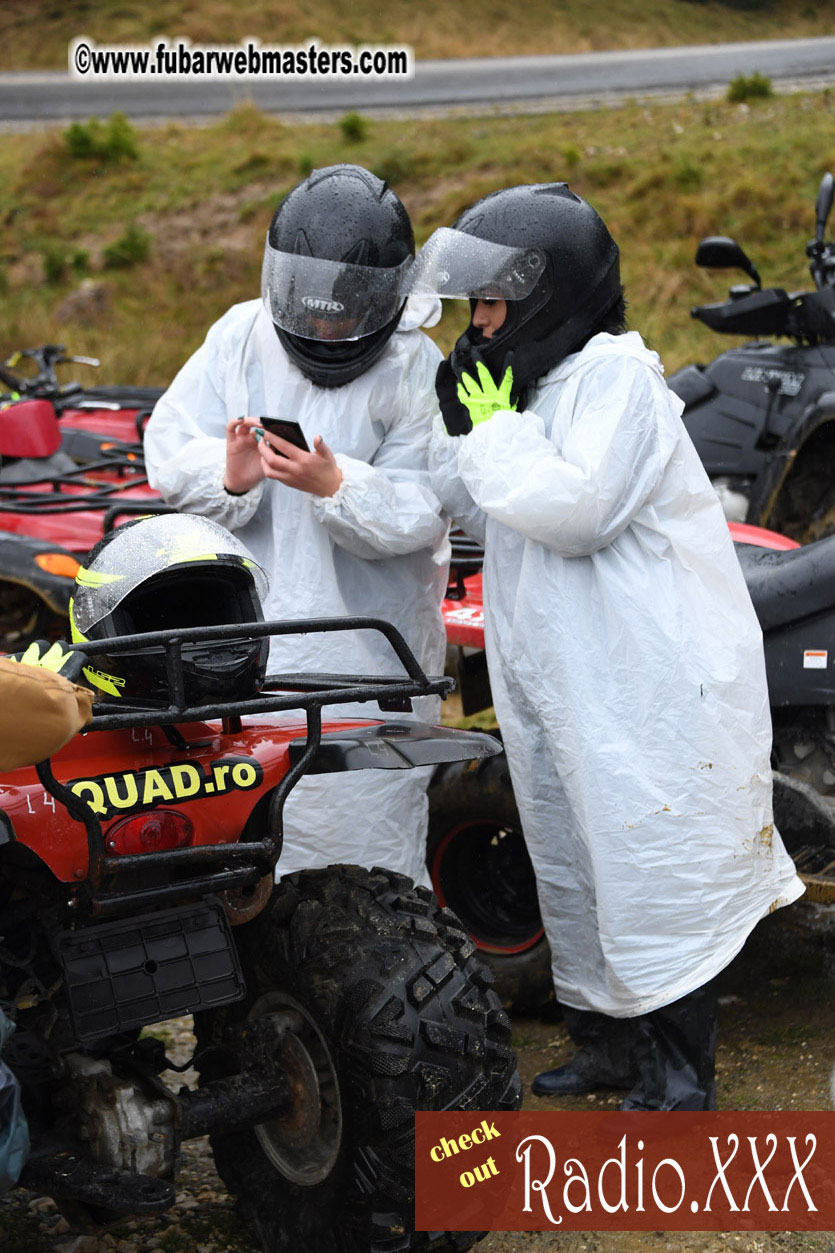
303, 1144
482, 871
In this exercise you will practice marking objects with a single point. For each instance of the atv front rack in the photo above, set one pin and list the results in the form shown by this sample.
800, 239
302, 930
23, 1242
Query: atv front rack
66, 491
230, 866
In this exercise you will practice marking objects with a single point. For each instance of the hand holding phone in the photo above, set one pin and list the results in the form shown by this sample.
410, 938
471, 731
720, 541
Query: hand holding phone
285, 429
315, 471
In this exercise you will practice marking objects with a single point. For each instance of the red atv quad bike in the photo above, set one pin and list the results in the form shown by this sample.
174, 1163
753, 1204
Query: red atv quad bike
89, 416
47, 525
477, 857
70, 463
137, 885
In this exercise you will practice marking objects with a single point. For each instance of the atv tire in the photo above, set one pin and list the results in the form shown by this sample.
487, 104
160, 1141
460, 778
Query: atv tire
480, 868
24, 617
394, 1013
805, 508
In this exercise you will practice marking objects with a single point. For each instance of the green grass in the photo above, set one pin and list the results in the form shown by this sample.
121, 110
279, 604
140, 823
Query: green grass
201, 198
37, 32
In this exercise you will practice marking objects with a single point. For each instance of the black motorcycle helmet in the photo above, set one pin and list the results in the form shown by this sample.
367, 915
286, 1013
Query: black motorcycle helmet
559, 240
336, 264
172, 570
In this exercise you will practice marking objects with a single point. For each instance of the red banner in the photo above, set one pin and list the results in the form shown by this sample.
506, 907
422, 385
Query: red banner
769, 1171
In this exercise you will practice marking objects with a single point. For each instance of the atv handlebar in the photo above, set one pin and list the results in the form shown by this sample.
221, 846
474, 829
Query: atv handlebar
808, 317
46, 357
751, 312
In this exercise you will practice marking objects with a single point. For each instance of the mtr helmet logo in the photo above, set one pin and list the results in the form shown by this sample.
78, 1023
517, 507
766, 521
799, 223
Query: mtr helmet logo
319, 304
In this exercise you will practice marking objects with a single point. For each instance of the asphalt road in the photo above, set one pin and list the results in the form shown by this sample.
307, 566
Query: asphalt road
28, 97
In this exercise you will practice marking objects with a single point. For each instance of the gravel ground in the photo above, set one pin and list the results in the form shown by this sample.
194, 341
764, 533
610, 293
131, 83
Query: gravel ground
777, 1044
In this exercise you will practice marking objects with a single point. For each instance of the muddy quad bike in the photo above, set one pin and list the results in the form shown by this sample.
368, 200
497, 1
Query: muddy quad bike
762, 416
136, 885
477, 857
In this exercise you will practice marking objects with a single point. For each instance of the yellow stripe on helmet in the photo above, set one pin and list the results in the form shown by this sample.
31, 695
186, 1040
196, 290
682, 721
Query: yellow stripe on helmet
92, 578
104, 682
109, 683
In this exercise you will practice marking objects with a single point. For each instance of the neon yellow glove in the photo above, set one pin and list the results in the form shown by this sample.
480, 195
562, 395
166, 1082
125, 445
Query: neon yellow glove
57, 657
483, 398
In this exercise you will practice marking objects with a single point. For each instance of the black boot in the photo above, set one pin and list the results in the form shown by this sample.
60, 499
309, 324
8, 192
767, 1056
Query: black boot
675, 1051
602, 1059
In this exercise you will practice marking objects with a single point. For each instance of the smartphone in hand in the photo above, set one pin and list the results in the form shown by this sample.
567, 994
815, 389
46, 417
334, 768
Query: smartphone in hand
286, 429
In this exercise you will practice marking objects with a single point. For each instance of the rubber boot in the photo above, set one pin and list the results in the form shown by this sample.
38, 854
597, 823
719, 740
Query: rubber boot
675, 1051
602, 1061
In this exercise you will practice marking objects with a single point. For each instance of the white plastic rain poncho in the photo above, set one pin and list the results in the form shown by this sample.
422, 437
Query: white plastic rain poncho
628, 677
377, 547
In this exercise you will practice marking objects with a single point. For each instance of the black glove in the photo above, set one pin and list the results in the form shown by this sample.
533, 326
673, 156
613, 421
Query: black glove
57, 656
456, 418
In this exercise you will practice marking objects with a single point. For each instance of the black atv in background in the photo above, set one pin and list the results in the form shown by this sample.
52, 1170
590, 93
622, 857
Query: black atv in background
762, 416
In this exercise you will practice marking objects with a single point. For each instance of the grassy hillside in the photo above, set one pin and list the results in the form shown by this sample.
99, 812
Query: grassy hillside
130, 256
36, 32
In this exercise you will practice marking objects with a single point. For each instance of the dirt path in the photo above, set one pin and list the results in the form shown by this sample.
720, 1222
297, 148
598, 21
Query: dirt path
777, 1046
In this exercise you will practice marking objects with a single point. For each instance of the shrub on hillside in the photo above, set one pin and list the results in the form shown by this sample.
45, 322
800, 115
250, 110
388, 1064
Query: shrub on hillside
354, 128
129, 249
54, 264
571, 156
114, 142
395, 166
754, 86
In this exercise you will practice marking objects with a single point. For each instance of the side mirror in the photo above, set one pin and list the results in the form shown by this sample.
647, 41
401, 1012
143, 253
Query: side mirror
718, 252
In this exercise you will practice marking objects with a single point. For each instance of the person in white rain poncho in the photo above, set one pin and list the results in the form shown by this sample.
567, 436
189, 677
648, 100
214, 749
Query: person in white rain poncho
351, 527
625, 656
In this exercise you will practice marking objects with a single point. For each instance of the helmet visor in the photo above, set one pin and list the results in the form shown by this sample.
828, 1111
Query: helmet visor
460, 266
147, 549
331, 300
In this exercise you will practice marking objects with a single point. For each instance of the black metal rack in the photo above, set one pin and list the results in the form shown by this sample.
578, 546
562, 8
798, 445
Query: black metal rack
134, 508
235, 866
26, 498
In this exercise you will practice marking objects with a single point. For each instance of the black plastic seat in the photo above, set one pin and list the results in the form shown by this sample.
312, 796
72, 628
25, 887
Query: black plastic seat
786, 586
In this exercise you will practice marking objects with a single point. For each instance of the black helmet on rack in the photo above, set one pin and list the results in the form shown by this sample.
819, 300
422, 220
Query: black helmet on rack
544, 250
335, 274
171, 570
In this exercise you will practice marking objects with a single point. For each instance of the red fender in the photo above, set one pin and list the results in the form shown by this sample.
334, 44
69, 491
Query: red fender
759, 537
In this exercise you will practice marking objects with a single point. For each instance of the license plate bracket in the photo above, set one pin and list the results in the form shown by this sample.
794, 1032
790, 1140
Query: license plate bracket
127, 974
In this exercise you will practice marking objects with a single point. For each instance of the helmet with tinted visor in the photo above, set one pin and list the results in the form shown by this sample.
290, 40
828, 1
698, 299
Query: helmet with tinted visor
330, 300
336, 272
